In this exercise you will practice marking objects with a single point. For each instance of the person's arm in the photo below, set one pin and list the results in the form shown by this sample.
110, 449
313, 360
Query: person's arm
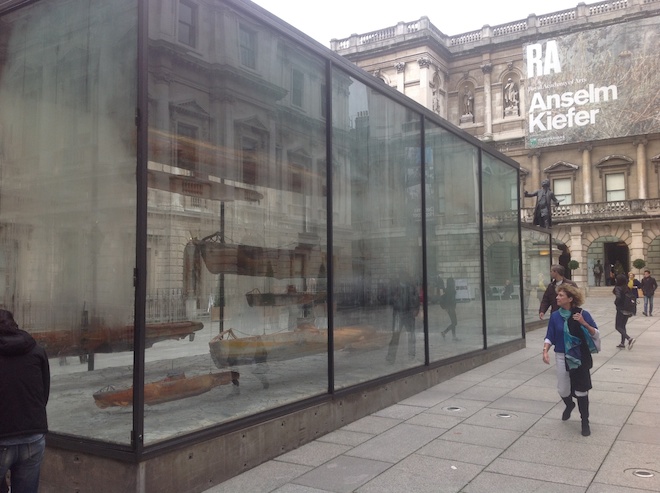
547, 343
546, 301
586, 320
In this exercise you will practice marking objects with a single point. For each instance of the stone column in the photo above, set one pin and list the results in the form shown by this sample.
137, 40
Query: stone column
425, 97
400, 76
536, 172
487, 68
578, 253
586, 173
636, 242
642, 184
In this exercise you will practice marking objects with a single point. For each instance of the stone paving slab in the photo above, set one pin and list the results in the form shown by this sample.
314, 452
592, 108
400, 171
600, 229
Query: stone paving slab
488, 482
396, 443
624, 459
341, 475
573, 476
423, 474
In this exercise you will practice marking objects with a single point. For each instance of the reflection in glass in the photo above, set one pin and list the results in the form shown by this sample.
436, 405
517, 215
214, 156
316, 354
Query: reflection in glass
377, 232
536, 256
67, 188
237, 221
501, 252
453, 256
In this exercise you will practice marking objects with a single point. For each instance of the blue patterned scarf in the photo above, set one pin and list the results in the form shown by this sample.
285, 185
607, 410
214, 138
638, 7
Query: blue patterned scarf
572, 351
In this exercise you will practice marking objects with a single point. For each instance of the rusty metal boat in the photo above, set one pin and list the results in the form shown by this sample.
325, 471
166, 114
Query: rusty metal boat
171, 388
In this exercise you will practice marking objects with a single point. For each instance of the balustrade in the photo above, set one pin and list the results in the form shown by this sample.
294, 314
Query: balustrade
514, 27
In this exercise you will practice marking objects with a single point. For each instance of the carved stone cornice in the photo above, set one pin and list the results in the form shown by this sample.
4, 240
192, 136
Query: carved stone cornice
162, 76
400, 67
424, 62
614, 162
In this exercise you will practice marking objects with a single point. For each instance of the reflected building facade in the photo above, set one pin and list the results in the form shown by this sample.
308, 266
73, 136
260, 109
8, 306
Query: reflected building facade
221, 232
571, 96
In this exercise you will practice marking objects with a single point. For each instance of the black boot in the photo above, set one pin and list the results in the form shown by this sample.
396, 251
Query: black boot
583, 405
570, 405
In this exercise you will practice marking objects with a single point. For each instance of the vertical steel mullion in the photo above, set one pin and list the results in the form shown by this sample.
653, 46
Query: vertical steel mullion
139, 277
521, 276
425, 290
329, 227
482, 253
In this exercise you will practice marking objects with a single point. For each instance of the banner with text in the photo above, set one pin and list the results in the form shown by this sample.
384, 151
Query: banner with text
596, 84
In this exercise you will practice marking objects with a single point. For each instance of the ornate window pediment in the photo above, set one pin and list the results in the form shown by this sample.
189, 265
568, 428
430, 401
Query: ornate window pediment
189, 108
656, 161
614, 162
561, 167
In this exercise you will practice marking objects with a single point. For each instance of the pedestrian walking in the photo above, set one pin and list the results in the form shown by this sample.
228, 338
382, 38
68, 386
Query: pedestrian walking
622, 297
574, 334
598, 272
549, 299
649, 285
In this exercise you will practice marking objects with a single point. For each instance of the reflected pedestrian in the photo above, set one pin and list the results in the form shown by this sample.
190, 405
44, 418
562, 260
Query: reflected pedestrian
449, 304
405, 302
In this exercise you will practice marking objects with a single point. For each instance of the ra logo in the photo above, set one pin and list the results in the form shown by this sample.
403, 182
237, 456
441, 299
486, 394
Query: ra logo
542, 59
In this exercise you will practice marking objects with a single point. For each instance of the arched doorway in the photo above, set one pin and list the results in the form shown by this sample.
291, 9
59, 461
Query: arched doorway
611, 251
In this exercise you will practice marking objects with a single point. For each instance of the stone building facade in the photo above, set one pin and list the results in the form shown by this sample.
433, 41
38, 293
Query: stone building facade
499, 84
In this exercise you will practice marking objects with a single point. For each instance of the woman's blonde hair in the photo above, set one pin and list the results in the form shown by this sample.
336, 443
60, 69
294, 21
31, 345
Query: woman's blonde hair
572, 292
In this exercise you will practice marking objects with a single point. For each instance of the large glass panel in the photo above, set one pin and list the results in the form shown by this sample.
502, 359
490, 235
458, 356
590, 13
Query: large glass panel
501, 252
536, 260
376, 233
67, 190
453, 253
237, 220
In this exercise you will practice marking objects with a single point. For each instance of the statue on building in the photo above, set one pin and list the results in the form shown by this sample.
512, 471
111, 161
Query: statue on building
468, 99
544, 198
511, 98
468, 106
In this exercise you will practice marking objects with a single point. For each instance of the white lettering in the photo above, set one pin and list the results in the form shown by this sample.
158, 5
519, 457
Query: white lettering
547, 121
534, 62
537, 64
552, 63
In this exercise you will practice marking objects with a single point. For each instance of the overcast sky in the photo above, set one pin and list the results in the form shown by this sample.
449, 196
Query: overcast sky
327, 19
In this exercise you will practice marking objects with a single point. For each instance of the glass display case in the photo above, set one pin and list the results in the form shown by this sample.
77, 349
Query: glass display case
206, 218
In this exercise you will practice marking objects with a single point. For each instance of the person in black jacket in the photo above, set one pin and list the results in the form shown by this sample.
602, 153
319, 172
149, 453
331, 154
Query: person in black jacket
621, 319
24, 391
649, 285
549, 299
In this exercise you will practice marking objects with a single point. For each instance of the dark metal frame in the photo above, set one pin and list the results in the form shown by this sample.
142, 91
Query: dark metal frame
137, 451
